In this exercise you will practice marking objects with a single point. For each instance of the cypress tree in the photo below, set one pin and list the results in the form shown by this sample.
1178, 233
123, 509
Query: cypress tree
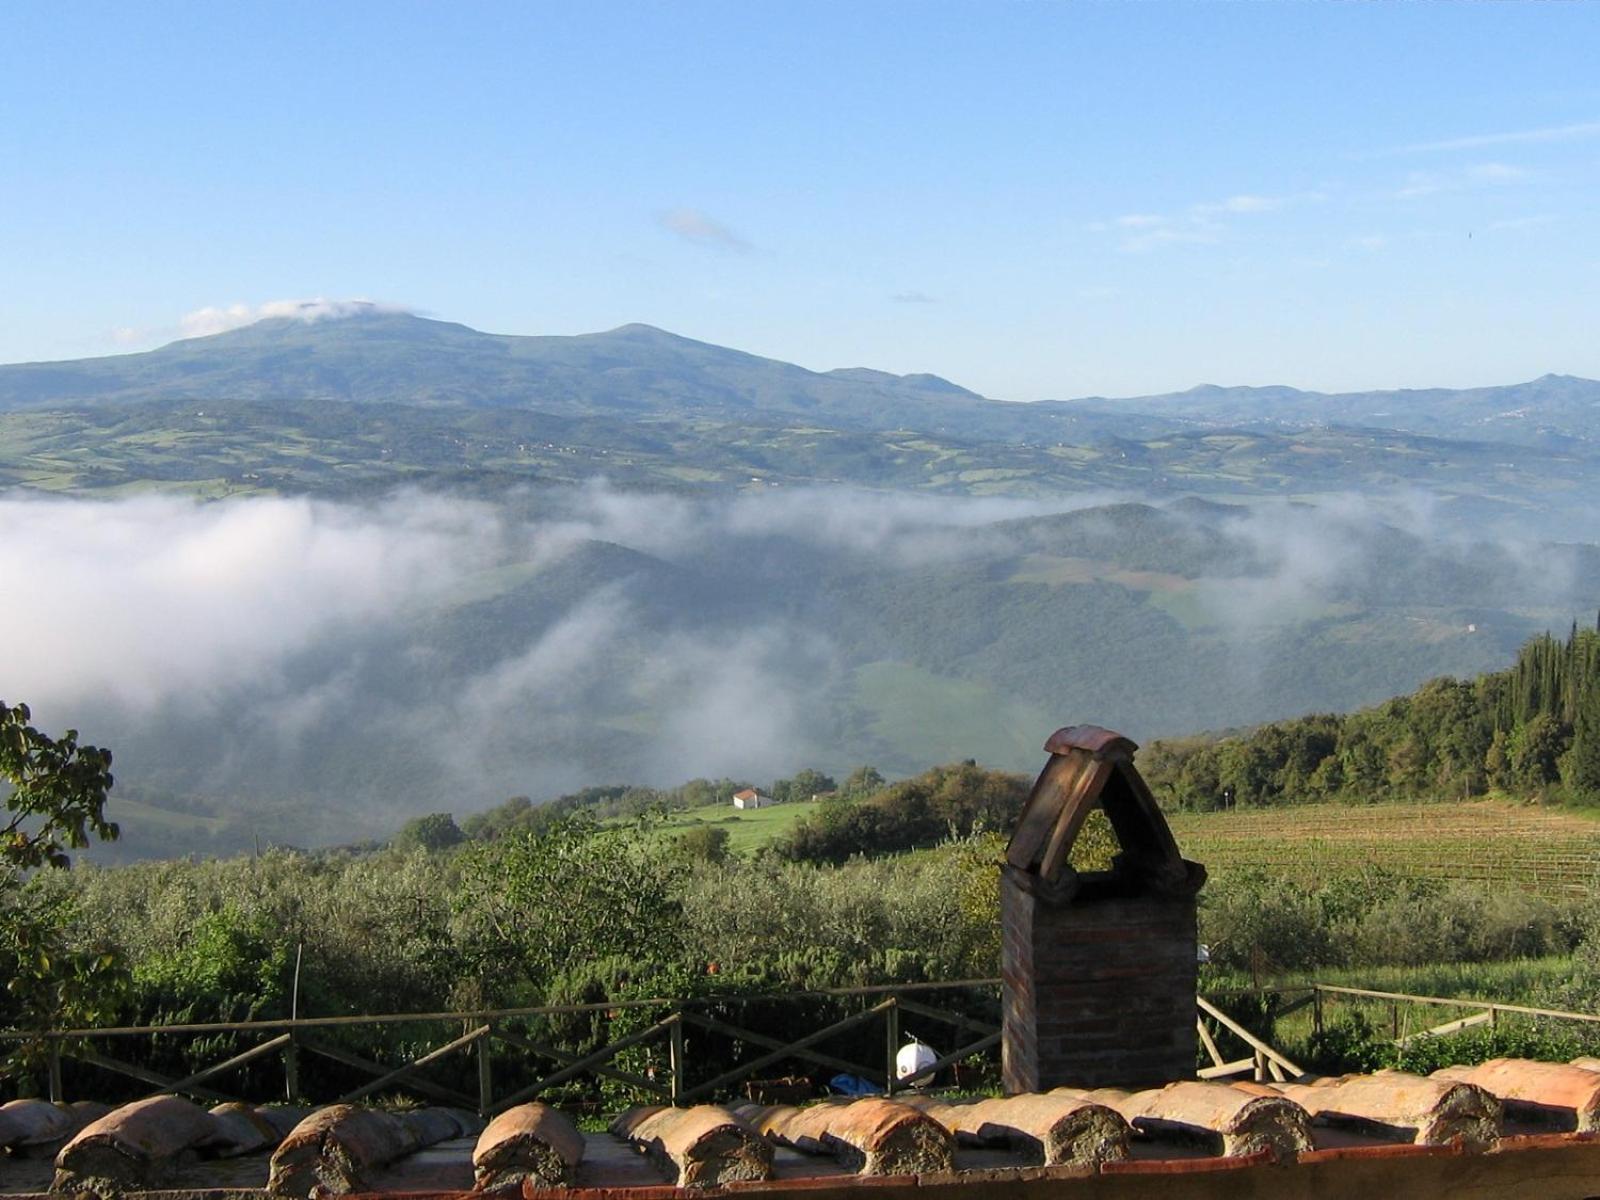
1582, 765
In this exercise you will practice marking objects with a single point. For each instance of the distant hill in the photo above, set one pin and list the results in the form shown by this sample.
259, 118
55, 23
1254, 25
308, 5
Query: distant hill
1555, 411
363, 403
637, 371
385, 357
634, 372
777, 620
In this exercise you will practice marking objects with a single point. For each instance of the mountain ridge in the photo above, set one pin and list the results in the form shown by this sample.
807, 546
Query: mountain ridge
639, 371
390, 357
1553, 410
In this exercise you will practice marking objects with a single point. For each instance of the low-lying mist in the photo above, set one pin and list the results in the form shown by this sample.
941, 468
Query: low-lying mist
321, 671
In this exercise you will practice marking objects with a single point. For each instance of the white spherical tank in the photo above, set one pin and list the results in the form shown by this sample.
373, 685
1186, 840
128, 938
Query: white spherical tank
913, 1057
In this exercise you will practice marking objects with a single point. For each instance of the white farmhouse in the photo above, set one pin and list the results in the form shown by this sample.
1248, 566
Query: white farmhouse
751, 798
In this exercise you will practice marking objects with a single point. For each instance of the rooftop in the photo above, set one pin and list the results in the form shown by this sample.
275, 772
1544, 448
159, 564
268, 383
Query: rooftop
1508, 1128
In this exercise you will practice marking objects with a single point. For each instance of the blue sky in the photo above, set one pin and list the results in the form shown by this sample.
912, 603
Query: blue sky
1032, 199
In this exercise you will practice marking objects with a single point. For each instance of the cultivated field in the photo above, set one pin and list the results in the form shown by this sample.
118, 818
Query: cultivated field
1551, 851
1547, 850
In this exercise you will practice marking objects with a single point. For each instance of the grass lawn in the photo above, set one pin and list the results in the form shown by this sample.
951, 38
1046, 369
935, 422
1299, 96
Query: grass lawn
748, 830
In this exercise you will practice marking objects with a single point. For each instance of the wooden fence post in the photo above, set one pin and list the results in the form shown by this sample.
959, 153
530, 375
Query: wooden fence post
892, 1020
675, 1049
56, 1094
485, 1073
291, 1070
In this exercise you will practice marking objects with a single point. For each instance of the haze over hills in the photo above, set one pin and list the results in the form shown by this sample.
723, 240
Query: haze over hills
455, 566
309, 671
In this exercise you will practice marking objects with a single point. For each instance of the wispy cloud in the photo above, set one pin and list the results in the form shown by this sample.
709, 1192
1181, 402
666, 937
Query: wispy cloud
1514, 223
1199, 224
697, 227
914, 298
1370, 242
1242, 204
219, 319
1488, 174
1156, 237
1519, 137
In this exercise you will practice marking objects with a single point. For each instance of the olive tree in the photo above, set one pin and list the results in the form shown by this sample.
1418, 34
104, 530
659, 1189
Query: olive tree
55, 797
533, 906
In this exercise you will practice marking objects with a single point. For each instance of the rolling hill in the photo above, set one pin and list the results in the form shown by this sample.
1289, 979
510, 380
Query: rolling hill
362, 404
711, 600
1554, 411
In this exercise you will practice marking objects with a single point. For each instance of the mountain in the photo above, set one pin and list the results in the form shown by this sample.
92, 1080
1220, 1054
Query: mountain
1557, 411
640, 372
633, 372
718, 608
385, 357
362, 404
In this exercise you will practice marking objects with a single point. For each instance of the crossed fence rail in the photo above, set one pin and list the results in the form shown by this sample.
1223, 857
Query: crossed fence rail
1399, 1004
553, 1065
291, 1040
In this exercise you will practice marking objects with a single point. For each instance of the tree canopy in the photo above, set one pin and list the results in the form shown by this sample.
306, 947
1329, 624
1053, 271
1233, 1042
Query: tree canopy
57, 792
1533, 728
55, 801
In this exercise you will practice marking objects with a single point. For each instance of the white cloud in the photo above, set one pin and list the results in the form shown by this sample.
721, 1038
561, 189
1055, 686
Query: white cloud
1552, 133
219, 319
158, 600
1488, 174
1514, 223
699, 228
1496, 172
1242, 204
1199, 224
1169, 235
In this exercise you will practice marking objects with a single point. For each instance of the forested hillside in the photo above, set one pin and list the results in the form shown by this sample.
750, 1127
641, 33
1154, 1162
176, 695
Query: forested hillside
598, 637
1532, 729
451, 563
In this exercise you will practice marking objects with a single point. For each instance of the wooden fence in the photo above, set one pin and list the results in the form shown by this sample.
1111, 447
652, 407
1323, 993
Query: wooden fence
494, 1044
670, 1027
1398, 1004
673, 1028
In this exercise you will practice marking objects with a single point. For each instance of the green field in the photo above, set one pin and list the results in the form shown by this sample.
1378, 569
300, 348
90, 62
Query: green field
747, 830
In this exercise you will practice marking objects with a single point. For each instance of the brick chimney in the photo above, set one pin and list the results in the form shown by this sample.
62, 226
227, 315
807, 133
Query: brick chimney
1099, 966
